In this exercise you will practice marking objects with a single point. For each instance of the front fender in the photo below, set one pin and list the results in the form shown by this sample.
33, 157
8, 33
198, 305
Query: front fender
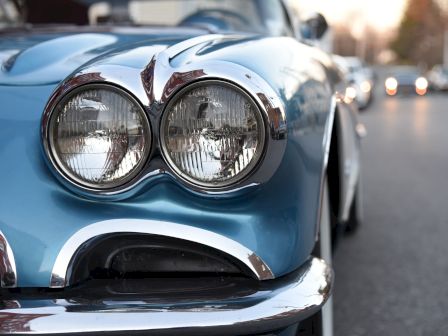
276, 220
346, 122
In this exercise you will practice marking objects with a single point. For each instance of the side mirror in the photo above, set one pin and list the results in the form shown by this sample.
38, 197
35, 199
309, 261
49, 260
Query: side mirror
314, 27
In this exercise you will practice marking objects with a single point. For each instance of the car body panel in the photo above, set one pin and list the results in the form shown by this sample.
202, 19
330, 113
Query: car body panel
276, 221
29, 57
207, 260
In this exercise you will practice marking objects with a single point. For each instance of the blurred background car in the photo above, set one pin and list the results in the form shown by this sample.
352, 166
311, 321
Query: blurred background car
360, 78
406, 80
438, 78
402, 243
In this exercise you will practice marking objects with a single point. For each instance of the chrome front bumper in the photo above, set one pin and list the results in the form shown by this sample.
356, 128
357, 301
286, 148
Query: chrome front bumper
245, 309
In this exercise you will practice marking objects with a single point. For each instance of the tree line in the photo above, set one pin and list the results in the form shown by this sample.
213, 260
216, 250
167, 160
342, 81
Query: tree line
421, 33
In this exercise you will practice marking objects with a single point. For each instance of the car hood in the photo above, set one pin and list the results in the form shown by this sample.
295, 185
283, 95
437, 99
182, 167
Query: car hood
406, 78
47, 56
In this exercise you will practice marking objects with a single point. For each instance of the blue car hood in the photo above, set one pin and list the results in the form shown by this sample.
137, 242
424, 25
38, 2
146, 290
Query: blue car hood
45, 56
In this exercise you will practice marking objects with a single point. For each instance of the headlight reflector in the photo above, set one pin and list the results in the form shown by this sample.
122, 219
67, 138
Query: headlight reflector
212, 134
99, 136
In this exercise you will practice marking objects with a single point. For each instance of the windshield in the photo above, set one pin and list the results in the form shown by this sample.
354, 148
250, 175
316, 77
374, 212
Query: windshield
354, 64
406, 72
254, 16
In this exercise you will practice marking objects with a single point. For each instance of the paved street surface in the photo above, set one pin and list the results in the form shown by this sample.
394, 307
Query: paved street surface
392, 276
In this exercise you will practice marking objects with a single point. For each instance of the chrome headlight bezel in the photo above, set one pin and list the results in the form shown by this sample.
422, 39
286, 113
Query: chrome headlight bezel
153, 88
247, 171
50, 146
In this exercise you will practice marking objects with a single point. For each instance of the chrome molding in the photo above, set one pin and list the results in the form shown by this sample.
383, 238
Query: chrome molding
180, 47
62, 267
8, 271
328, 130
326, 143
154, 87
274, 305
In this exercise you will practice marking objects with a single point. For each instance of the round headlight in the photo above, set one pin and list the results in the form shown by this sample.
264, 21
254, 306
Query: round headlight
212, 134
99, 136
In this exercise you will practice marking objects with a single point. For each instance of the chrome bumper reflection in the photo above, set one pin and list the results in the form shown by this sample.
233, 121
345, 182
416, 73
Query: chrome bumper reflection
270, 306
8, 273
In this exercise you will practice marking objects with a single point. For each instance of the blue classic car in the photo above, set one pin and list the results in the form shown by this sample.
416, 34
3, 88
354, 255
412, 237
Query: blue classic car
170, 168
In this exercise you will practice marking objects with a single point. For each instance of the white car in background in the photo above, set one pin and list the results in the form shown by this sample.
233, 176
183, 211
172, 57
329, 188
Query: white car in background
438, 78
361, 79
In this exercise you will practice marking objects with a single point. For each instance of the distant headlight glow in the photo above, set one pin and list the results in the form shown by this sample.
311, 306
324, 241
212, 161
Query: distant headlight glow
366, 87
421, 83
351, 93
99, 136
212, 134
391, 84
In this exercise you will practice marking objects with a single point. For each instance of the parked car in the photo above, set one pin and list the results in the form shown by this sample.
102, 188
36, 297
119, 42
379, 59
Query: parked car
438, 78
360, 77
406, 80
170, 169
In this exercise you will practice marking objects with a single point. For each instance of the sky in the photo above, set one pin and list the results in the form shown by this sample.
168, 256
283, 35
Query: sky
380, 14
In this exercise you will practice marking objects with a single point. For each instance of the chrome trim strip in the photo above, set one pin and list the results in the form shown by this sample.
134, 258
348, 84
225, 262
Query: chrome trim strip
329, 130
277, 304
361, 130
326, 143
180, 47
8, 270
62, 267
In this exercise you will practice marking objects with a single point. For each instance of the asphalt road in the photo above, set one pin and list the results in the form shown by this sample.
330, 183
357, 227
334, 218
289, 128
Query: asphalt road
392, 276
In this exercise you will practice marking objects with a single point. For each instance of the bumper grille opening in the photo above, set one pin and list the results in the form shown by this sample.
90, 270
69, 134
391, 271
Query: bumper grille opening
140, 256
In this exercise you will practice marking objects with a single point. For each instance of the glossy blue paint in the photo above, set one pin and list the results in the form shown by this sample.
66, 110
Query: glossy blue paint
46, 57
277, 220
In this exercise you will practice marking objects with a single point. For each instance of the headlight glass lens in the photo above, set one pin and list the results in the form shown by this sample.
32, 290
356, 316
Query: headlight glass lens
99, 136
212, 134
